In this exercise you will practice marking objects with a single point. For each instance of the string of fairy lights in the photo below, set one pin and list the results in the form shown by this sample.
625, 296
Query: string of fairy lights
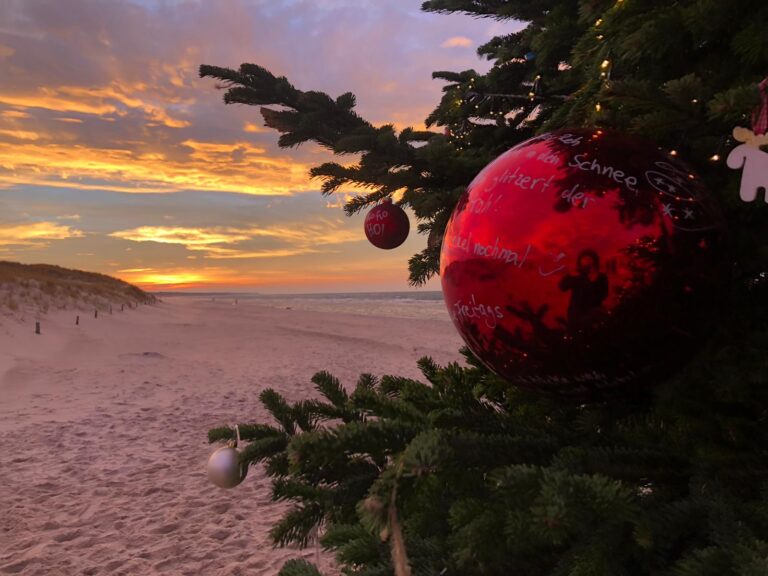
473, 98
606, 68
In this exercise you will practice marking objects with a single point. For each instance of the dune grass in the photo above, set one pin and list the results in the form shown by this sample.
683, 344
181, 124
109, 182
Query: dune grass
38, 288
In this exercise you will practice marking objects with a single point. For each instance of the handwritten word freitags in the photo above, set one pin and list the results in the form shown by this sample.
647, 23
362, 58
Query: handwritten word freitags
490, 314
618, 176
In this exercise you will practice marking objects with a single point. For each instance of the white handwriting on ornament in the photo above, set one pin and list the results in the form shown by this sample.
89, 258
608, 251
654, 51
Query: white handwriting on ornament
496, 252
556, 260
461, 243
547, 157
489, 313
378, 215
521, 180
570, 140
480, 206
374, 229
576, 198
618, 176
671, 182
753, 161
567, 139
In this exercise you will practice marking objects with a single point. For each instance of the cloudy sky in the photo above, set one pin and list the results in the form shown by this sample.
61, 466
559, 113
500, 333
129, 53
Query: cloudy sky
115, 157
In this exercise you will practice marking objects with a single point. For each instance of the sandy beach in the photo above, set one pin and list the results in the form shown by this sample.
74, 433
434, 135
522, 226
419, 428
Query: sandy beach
103, 427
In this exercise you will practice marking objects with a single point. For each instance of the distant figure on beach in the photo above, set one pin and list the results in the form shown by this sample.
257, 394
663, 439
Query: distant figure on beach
589, 289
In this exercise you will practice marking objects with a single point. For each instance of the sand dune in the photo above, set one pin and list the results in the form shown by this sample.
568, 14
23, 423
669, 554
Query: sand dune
30, 291
103, 428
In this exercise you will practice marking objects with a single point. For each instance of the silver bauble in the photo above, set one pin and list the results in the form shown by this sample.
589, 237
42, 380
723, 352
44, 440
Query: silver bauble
225, 469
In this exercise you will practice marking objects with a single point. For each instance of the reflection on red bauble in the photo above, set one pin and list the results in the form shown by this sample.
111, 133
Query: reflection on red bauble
584, 260
386, 225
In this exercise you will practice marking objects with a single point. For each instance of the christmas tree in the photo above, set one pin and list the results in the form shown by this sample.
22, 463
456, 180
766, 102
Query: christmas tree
462, 473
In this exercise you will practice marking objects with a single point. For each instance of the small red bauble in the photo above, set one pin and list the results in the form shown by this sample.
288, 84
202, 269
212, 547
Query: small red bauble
584, 260
386, 225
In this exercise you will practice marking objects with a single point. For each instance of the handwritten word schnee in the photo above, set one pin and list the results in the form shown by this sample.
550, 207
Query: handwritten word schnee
619, 176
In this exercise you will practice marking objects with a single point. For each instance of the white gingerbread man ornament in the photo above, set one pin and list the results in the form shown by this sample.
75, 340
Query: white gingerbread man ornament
748, 156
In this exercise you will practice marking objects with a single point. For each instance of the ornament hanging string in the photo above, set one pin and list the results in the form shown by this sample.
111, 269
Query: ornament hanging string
760, 115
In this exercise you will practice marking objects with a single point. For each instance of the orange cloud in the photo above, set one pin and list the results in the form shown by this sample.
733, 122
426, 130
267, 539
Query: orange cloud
210, 166
14, 114
226, 242
97, 100
254, 128
20, 134
37, 234
192, 238
457, 42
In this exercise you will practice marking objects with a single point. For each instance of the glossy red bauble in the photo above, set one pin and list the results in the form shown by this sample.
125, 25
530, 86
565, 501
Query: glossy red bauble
584, 260
386, 225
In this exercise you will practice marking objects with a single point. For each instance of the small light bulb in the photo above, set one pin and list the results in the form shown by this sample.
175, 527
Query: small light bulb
598, 107
599, 21
673, 152
715, 158
605, 64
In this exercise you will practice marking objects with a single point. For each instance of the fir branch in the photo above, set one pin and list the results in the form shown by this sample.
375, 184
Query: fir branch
298, 567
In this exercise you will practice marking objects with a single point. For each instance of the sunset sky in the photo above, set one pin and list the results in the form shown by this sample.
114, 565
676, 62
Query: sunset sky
115, 157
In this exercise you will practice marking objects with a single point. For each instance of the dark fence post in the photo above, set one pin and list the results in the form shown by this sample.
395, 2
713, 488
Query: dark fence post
96, 313
77, 320
37, 327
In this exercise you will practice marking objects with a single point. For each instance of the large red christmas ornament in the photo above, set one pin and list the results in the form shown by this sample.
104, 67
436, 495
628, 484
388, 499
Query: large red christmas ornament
386, 225
584, 260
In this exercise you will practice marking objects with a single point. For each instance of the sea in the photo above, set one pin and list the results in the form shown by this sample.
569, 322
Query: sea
427, 304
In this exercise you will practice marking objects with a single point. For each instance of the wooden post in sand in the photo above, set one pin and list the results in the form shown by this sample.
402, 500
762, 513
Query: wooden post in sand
122, 307
37, 327
96, 313
77, 320
110, 309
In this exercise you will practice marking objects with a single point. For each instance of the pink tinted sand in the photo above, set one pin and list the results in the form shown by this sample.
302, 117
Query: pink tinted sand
103, 428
